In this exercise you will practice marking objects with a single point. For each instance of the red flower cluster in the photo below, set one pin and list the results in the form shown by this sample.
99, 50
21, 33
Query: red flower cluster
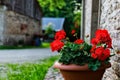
101, 43
102, 36
57, 44
101, 52
73, 32
60, 35
78, 41
81, 52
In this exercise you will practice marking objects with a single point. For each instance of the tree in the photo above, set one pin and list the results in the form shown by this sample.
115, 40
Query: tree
63, 8
52, 4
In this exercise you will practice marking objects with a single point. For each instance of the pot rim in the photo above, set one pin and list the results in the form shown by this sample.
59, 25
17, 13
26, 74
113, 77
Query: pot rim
73, 67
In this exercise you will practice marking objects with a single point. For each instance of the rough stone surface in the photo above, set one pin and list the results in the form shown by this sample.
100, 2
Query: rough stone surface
116, 64
53, 74
19, 24
19, 27
110, 20
2, 23
110, 75
15, 27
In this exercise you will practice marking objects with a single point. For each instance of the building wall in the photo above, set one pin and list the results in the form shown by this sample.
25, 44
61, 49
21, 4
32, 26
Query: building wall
87, 18
19, 27
90, 18
110, 20
2, 23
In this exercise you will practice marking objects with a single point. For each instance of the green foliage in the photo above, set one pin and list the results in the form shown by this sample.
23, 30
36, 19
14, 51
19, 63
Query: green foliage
29, 71
94, 65
49, 31
79, 54
73, 17
61, 8
77, 18
66, 9
52, 4
44, 45
75, 54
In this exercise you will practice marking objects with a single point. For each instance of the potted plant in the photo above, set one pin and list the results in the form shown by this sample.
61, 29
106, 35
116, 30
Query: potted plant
80, 60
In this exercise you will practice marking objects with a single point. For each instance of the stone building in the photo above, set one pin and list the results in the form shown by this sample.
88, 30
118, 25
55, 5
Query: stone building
20, 20
104, 14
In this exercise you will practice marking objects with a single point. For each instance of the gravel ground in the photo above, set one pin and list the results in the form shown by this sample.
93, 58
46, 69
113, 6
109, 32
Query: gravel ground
53, 74
24, 55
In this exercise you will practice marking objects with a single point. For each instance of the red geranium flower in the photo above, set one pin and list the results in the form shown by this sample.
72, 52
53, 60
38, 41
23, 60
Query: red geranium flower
109, 44
78, 41
101, 53
102, 37
94, 41
60, 35
105, 55
56, 45
93, 55
93, 49
73, 31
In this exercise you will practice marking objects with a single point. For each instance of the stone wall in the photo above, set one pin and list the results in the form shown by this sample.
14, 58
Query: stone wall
20, 28
2, 23
110, 20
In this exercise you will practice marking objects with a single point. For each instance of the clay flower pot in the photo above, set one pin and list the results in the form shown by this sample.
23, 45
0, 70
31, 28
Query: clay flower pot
76, 72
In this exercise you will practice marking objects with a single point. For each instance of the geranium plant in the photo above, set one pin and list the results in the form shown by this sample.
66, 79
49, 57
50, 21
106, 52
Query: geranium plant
80, 52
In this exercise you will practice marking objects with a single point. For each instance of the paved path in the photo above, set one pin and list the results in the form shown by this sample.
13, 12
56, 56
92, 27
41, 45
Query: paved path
24, 55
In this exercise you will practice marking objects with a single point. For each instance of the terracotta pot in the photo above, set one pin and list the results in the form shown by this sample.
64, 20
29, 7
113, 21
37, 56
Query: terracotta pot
76, 72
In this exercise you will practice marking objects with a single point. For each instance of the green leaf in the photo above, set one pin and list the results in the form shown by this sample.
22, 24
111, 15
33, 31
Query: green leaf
94, 65
87, 47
